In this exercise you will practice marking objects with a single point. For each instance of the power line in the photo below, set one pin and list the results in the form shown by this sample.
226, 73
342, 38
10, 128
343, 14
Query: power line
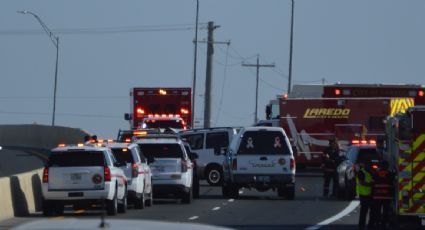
61, 114
107, 30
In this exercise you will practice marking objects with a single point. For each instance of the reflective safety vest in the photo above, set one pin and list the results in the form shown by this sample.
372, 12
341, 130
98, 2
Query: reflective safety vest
362, 189
382, 188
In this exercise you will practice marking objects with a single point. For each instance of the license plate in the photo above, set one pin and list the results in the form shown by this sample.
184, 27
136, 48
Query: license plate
159, 169
75, 177
263, 178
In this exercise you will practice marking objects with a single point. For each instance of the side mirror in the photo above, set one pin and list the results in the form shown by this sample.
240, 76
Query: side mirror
193, 156
127, 116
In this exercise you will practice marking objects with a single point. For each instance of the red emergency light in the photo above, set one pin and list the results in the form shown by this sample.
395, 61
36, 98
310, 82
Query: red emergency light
140, 111
337, 92
420, 93
184, 111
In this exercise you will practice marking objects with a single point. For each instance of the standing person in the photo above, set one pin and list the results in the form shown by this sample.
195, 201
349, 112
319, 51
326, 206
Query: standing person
330, 162
383, 194
364, 183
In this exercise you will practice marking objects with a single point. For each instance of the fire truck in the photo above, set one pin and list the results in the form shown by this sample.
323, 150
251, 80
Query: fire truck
405, 147
310, 133
159, 103
311, 122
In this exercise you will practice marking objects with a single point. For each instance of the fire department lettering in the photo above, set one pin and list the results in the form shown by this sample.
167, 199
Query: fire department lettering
326, 113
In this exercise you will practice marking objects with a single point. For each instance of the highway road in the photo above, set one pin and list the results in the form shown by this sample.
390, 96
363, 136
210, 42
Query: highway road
252, 210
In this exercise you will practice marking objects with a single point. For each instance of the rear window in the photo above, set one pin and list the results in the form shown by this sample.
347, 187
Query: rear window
161, 150
196, 141
76, 159
123, 155
263, 143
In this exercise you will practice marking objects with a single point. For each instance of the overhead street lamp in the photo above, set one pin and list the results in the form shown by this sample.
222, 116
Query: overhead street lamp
55, 41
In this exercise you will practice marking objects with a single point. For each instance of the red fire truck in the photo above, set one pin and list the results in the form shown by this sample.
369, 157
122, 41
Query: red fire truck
406, 153
160, 103
311, 122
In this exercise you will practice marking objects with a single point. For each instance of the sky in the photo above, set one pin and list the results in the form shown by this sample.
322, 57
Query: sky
107, 47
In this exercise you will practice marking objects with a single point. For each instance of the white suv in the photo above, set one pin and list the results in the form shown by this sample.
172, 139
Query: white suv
137, 171
209, 144
83, 175
172, 170
261, 158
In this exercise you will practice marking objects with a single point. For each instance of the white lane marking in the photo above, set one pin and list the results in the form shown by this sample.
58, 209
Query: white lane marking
193, 218
341, 214
231, 200
215, 208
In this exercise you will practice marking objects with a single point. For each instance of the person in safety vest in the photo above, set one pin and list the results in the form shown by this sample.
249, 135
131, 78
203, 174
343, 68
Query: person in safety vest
329, 165
364, 182
382, 194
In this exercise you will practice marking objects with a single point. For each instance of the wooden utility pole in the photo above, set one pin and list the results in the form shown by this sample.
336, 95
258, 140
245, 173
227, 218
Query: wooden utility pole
210, 52
256, 87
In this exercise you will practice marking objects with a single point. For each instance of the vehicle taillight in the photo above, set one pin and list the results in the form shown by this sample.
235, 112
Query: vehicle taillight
184, 166
420, 93
292, 164
374, 167
107, 173
234, 164
46, 175
140, 111
134, 170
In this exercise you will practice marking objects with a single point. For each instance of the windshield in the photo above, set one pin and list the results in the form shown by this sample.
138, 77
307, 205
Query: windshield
76, 159
263, 143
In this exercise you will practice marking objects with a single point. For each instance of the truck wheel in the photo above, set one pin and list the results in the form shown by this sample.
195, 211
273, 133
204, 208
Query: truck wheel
187, 197
214, 175
122, 207
58, 208
112, 206
149, 201
196, 187
139, 203
233, 191
290, 193
47, 208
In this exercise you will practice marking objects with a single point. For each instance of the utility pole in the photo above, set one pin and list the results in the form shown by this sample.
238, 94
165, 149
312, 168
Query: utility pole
210, 52
290, 47
195, 57
258, 77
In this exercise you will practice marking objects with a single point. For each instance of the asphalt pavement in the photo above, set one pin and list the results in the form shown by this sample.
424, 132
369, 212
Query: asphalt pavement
252, 210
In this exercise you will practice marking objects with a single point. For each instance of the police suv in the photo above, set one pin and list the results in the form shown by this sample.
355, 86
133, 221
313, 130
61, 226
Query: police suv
260, 158
83, 175
137, 171
172, 169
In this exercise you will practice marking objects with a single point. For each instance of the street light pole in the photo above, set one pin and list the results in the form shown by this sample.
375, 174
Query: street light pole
290, 47
194, 65
55, 41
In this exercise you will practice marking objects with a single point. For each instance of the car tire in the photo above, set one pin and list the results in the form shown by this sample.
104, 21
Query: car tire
122, 207
58, 208
196, 187
149, 201
139, 202
281, 192
290, 193
233, 191
214, 175
47, 208
187, 197
112, 206
350, 190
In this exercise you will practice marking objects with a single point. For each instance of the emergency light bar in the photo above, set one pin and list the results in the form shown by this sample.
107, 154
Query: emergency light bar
363, 142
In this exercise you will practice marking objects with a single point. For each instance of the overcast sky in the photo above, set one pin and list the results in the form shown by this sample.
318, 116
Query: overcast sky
107, 47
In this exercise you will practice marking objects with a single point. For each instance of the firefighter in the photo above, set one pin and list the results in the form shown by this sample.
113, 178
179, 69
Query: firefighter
364, 182
382, 194
330, 162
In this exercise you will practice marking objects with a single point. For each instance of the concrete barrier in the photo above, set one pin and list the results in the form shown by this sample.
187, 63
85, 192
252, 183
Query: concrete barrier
20, 194
39, 136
